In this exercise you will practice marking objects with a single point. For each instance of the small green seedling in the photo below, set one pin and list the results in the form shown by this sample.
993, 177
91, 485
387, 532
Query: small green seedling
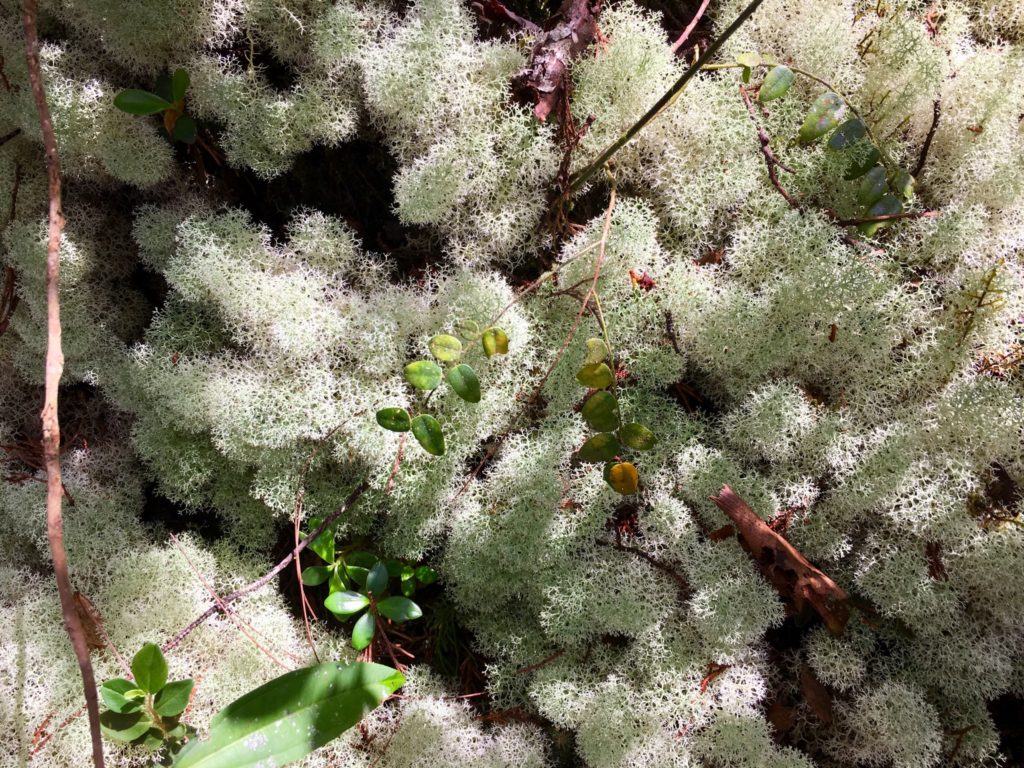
360, 583
426, 376
169, 101
147, 711
601, 412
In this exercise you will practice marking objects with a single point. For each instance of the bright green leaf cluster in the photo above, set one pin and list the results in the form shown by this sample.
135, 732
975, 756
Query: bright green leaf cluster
169, 101
426, 376
601, 412
146, 710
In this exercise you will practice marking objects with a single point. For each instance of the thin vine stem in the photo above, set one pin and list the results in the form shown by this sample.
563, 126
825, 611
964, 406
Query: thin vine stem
581, 177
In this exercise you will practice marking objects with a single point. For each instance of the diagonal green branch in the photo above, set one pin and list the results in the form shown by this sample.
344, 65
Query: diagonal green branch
581, 177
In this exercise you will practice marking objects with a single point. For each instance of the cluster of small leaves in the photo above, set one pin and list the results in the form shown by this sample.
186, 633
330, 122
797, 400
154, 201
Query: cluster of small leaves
360, 583
146, 711
426, 376
168, 100
882, 191
601, 412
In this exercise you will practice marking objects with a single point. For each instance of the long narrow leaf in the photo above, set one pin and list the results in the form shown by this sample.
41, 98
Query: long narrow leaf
290, 716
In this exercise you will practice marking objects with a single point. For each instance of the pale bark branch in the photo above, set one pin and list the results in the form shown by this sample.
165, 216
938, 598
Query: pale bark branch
54, 370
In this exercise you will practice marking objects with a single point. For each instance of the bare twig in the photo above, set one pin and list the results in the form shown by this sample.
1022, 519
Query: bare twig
887, 217
8, 136
398, 463
542, 663
678, 578
936, 114
265, 578
54, 370
244, 628
769, 156
691, 26
582, 176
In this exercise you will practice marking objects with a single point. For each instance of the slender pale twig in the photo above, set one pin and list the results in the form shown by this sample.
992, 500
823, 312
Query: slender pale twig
691, 26
54, 370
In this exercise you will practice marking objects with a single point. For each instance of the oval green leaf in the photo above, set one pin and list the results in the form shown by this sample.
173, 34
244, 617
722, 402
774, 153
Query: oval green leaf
292, 715
889, 205
597, 352
622, 477
638, 437
149, 667
323, 544
136, 102
468, 329
423, 374
346, 603
124, 727
114, 695
597, 376
601, 411
394, 419
495, 342
872, 186
858, 169
602, 447
399, 609
445, 348
428, 433
315, 575
464, 382
377, 578
179, 84
903, 184
426, 575
362, 632
778, 80
850, 132
185, 130
826, 111
749, 59
172, 700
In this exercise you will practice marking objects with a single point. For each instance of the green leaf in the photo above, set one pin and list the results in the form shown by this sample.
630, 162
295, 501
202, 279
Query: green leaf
596, 376
601, 447
622, 477
399, 609
358, 574
872, 186
114, 694
153, 740
467, 329
463, 380
423, 374
292, 715
173, 699
903, 184
179, 84
323, 544
638, 437
185, 130
746, 75
426, 575
858, 169
150, 668
346, 603
850, 132
394, 419
428, 433
377, 578
776, 83
495, 342
887, 206
825, 114
409, 588
362, 632
362, 558
749, 59
406, 573
136, 102
124, 727
601, 411
339, 580
597, 352
315, 575
445, 348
